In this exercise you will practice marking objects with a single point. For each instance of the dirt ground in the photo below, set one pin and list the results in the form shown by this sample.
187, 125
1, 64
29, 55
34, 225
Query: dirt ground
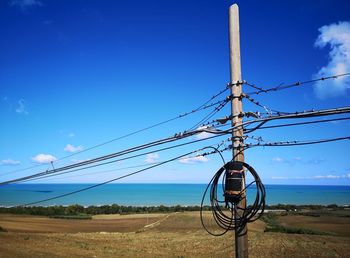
160, 235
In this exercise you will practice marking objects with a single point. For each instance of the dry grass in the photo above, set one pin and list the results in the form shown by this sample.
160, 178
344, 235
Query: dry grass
176, 235
337, 225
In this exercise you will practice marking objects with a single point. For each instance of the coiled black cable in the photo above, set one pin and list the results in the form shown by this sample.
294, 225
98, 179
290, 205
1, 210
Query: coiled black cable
235, 217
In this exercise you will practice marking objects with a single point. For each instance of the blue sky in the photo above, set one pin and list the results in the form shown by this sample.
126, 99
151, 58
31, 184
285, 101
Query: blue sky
74, 74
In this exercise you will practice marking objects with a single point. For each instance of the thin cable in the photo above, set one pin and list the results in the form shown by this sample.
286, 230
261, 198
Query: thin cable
236, 221
210, 115
113, 180
300, 123
54, 172
201, 107
262, 90
297, 143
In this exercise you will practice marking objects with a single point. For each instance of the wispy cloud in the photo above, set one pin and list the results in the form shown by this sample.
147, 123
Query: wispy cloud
329, 176
24, 4
202, 135
21, 108
71, 148
71, 135
194, 160
277, 159
337, 36
43, 158
279, 177
151, 158
298, 160
10, 162
326, 177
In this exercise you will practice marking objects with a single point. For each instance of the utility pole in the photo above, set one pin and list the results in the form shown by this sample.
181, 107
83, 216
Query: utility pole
241, 237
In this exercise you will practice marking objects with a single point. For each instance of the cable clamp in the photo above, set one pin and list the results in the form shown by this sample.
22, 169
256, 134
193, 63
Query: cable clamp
223, 120
237, 83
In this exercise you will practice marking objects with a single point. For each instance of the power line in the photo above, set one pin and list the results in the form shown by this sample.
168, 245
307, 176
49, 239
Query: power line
211, 114
136, 166
114, 179
283, 87
262, 121
297, 143
205, 105
305, 114
300, 123
65, 170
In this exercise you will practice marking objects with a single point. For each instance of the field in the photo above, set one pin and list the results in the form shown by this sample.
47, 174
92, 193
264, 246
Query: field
165, 235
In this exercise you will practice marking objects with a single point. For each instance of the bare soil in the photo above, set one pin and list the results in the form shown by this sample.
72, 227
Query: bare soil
164, 235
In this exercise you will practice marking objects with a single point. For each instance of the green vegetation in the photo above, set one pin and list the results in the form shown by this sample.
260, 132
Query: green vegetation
78, 216
310, 210
95, 210
292, 207
273, 225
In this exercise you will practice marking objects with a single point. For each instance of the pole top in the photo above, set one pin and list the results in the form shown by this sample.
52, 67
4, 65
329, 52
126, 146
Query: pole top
234, 6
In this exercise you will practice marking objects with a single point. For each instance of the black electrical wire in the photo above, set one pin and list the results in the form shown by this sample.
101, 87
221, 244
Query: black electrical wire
239, 216
205, 105
117, 178
210, 115
246, 130
111, 180
74, 168
283, 87
306, 114
297, 143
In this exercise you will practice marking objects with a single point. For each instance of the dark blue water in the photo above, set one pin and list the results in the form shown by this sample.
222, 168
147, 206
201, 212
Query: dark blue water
165, 194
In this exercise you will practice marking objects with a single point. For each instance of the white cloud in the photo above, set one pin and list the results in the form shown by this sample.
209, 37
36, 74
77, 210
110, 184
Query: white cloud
317, 177
21, 109
337, 36
71, 135
24, 4
203, 135
277, 159
193, 160
298, 160
71, 148
279, 177
151, 158
43, 158
10, 162
327, 177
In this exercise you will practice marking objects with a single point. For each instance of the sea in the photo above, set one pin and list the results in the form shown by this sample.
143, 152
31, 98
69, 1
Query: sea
162, 194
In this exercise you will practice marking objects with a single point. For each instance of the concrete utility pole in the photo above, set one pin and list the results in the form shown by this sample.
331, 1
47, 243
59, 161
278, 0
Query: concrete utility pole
241, 239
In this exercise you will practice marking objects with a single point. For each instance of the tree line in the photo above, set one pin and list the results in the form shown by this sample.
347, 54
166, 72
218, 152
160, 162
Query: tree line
121, 209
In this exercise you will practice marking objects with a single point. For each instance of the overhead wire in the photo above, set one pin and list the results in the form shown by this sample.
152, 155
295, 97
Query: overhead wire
297, 143
296, 84
205, 105
64, 170
300, 123
114, 179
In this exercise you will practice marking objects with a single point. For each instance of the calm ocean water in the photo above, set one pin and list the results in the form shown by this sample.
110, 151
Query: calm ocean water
165, 194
